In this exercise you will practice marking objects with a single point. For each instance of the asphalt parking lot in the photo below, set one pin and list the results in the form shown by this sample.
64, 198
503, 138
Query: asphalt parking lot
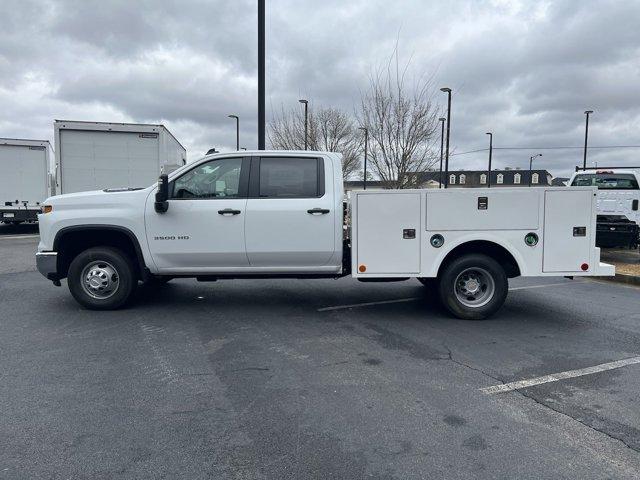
299, 379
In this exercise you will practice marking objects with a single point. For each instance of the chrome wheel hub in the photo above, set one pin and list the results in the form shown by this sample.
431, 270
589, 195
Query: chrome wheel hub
474, 287
100, 279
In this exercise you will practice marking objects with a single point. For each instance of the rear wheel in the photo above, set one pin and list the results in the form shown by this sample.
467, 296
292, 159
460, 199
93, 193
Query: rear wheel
473, 287
101, 278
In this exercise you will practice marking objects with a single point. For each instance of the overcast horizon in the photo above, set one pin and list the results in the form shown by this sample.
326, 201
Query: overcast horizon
525, 71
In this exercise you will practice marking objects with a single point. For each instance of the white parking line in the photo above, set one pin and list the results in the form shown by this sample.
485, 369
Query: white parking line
554, 377
367, 304
7, 237
527, 287
411, 299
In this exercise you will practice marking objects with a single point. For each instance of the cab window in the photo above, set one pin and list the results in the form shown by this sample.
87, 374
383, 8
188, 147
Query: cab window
288, 177
215, 179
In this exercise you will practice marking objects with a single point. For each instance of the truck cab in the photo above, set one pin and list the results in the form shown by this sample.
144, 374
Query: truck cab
618, 198
275, 214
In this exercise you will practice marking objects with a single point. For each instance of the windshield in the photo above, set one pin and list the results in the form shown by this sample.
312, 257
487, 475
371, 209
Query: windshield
611, 181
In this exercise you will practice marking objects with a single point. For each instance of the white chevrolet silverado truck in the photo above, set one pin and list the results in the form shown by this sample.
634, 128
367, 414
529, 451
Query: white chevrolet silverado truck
281, 214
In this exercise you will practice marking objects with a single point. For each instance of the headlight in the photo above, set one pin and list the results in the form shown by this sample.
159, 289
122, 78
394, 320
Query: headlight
46, 209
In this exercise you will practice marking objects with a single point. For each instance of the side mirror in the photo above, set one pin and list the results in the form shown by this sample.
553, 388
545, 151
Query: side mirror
162, 195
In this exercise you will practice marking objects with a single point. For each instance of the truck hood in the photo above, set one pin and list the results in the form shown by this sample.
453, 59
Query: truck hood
102, 198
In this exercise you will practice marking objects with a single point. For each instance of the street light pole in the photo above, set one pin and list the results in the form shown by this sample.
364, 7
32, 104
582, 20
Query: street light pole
531, 165
441, 120
237, 130
306, 121
447, 90
366, 144
586, 134
490, 154
261, 71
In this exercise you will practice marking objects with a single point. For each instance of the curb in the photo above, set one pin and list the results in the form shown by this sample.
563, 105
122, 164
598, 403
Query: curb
622, 278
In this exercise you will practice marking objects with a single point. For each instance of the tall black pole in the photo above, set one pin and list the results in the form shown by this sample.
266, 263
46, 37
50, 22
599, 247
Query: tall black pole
441, 120
586, 135
366, 145
261, 70
446, 162
237, 130
490, 155
306, 122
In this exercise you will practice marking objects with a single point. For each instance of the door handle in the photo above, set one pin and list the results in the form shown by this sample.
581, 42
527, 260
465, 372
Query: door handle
229, 211
322, 211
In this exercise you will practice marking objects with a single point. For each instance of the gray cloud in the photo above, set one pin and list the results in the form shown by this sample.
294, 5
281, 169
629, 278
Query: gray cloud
524, 70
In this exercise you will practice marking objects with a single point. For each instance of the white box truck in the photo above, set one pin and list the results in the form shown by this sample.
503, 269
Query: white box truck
275, 214
99, 155
25, 180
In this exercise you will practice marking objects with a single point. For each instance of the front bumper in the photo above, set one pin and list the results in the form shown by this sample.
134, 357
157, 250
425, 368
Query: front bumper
47, 263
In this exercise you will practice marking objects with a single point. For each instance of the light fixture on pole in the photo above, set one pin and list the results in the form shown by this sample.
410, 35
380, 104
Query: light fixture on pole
531, 165
366, 145
490, 155
237, 130
306, 121
447, 90
586, 135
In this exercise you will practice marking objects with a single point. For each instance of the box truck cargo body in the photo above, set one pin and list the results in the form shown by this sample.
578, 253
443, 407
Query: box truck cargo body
98, 155
24, 178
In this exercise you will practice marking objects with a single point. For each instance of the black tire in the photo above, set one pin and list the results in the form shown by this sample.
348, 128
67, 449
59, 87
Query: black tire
475, 270
108, 261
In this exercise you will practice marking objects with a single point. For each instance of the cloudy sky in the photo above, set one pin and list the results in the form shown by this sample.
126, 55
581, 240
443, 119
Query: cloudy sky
524, 70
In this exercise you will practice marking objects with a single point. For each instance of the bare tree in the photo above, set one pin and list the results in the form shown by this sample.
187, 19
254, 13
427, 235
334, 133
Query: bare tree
402, 124
329, 129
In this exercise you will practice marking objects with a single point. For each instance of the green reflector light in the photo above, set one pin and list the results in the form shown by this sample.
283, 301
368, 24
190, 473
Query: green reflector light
437, 240
531, 239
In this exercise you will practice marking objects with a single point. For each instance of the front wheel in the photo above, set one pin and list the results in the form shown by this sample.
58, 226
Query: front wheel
101, 278
473, 287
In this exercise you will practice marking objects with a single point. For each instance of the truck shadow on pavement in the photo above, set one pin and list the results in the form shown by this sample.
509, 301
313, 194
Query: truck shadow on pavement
291, 296
331, 302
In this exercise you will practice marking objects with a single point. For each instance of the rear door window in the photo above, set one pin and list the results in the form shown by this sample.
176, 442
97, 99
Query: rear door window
291, 177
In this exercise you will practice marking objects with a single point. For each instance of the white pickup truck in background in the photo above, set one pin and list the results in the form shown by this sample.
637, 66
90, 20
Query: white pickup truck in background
280, 214
618, 209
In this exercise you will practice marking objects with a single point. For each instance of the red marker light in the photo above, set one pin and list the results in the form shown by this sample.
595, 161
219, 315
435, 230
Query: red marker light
584, 267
